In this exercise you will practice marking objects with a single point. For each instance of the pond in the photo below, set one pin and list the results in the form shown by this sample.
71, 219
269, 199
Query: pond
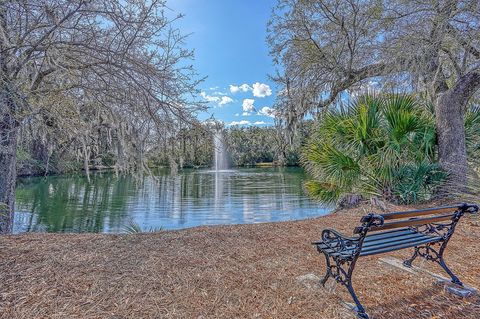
68, 203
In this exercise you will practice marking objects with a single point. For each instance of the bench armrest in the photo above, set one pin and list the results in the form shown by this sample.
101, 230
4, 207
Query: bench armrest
470, 208
337, 241
370, 220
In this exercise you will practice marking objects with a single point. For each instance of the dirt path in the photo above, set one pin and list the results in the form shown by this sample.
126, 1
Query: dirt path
242, 271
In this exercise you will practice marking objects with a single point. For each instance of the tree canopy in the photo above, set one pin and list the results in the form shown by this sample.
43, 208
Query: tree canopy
328, 48
74, 71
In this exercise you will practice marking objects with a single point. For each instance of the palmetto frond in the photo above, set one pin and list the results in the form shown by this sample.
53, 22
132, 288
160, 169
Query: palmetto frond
472, 131
379, 145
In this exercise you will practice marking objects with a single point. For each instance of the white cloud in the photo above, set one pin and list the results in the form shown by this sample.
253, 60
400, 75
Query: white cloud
225, 100
242, 122
261, 90
258, 89
237, 114
245, 87
364, 88
267, 111
209, 98
247, 105
234, 88
259, 123
220, 100
212, 122
237, 88
246, 113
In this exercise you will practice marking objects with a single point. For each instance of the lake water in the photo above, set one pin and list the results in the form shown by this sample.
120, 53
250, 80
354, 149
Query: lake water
68, 203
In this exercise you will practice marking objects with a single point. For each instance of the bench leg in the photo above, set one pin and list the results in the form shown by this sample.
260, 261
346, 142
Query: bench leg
429, 253
328, 272
342, 272
455, 279
359, 308
408, 262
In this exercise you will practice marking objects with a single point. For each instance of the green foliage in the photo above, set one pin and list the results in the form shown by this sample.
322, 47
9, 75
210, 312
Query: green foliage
27, 165
251, 145
378, 146
134, 228
189, 147
69, 166
472, 132
108, 159
414, 182
23, 155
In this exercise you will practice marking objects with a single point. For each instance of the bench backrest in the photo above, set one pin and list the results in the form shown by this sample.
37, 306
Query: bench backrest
415, 217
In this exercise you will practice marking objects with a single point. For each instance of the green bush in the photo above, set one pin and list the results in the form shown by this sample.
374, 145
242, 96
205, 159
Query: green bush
472, 134
108, 159
382, 146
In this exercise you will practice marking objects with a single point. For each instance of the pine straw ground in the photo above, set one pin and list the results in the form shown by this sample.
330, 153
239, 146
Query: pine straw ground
242, 271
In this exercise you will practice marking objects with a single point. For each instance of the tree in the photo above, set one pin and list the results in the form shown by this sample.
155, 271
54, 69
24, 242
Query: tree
121, 62
329, 47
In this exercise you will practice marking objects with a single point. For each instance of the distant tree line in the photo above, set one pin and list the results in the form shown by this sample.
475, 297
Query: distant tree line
253, 145
40, 152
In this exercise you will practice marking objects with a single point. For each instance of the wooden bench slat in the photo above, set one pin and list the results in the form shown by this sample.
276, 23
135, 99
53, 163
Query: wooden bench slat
420, 212
412, 222
380, 242
407, 245
399, 241
391, 233
409, 236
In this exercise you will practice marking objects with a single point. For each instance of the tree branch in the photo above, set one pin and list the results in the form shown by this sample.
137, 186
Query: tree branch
471, 49
466, 86
372, 70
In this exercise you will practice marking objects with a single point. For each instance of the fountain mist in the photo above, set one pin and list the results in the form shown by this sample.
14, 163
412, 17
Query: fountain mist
221, 158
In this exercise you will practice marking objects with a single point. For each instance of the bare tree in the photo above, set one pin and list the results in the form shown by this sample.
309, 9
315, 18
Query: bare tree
59, 58
329, 47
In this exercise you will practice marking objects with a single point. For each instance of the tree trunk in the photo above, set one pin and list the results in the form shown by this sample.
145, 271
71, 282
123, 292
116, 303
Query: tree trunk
450, 122
86, 160
86, 167
8, 138
8, 160
452, 150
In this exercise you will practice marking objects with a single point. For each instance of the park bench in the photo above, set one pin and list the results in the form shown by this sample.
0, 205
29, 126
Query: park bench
427, 231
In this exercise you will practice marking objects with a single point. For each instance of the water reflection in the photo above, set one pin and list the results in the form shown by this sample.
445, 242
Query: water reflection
196, 197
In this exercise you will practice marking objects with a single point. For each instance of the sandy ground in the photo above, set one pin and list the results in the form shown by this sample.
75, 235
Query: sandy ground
241, 271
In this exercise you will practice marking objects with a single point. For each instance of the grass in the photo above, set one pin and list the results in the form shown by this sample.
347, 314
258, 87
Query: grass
134, 228
242, 271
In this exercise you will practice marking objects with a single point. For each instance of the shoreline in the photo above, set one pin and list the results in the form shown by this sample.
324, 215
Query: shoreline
221, 271
112, 169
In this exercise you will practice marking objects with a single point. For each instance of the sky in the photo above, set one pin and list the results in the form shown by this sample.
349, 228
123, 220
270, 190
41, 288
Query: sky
229, 39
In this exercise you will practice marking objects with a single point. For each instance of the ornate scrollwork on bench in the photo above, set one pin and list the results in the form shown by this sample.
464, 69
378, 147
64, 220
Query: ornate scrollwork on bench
436, 229
339, 243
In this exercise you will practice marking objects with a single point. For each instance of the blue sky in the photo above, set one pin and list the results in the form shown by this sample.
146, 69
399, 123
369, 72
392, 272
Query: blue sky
229, 38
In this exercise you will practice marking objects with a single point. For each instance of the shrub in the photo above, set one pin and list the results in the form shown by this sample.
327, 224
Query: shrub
377, 146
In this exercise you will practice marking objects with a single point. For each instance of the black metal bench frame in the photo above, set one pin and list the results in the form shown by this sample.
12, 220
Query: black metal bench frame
428, 236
